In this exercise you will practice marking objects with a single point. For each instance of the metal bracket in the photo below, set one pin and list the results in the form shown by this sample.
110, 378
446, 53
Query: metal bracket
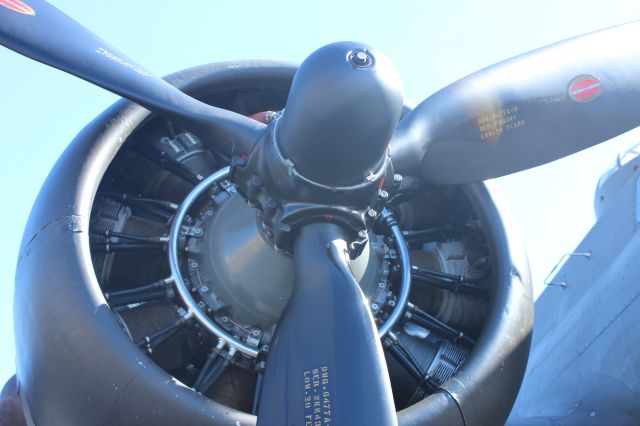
228, 187
562, 261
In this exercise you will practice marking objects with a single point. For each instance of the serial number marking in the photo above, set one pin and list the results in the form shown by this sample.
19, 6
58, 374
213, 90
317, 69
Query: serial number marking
492, 125
317, 401
104, 52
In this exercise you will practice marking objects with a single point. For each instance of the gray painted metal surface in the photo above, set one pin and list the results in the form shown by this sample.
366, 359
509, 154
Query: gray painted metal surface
584, 367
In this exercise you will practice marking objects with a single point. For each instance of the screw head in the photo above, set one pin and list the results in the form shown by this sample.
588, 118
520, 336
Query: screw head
372, 213
374, 306
384, 194
397, 178
362, 234
256, 181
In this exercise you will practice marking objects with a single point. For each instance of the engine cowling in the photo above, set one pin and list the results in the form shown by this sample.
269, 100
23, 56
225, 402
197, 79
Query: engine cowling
71, 336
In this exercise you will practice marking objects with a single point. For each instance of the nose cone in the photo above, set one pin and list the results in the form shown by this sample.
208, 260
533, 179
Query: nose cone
344, 104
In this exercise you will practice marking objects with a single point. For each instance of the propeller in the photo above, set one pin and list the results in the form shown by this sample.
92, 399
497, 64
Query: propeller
526, 111
45, 34
514, 115
306, 378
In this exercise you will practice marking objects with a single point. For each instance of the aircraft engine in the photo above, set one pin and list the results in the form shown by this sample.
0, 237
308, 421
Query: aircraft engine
139, 219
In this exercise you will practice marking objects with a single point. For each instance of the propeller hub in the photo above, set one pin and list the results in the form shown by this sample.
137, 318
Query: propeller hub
344, 104
325, 157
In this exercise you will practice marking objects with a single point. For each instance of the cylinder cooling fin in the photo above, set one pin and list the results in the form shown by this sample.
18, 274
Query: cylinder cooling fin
130, 318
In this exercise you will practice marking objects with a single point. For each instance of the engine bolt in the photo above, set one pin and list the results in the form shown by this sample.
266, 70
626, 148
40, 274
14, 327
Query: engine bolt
384, 194
256, 181
397, 178
372, 213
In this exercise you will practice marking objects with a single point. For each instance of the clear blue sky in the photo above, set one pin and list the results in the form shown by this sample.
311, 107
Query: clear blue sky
431, 43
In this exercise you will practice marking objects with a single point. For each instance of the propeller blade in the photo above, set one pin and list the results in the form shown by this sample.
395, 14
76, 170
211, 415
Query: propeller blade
325, 364
526, 111
43, 33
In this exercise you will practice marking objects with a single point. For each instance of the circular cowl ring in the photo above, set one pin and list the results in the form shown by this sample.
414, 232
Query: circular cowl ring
67, 337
